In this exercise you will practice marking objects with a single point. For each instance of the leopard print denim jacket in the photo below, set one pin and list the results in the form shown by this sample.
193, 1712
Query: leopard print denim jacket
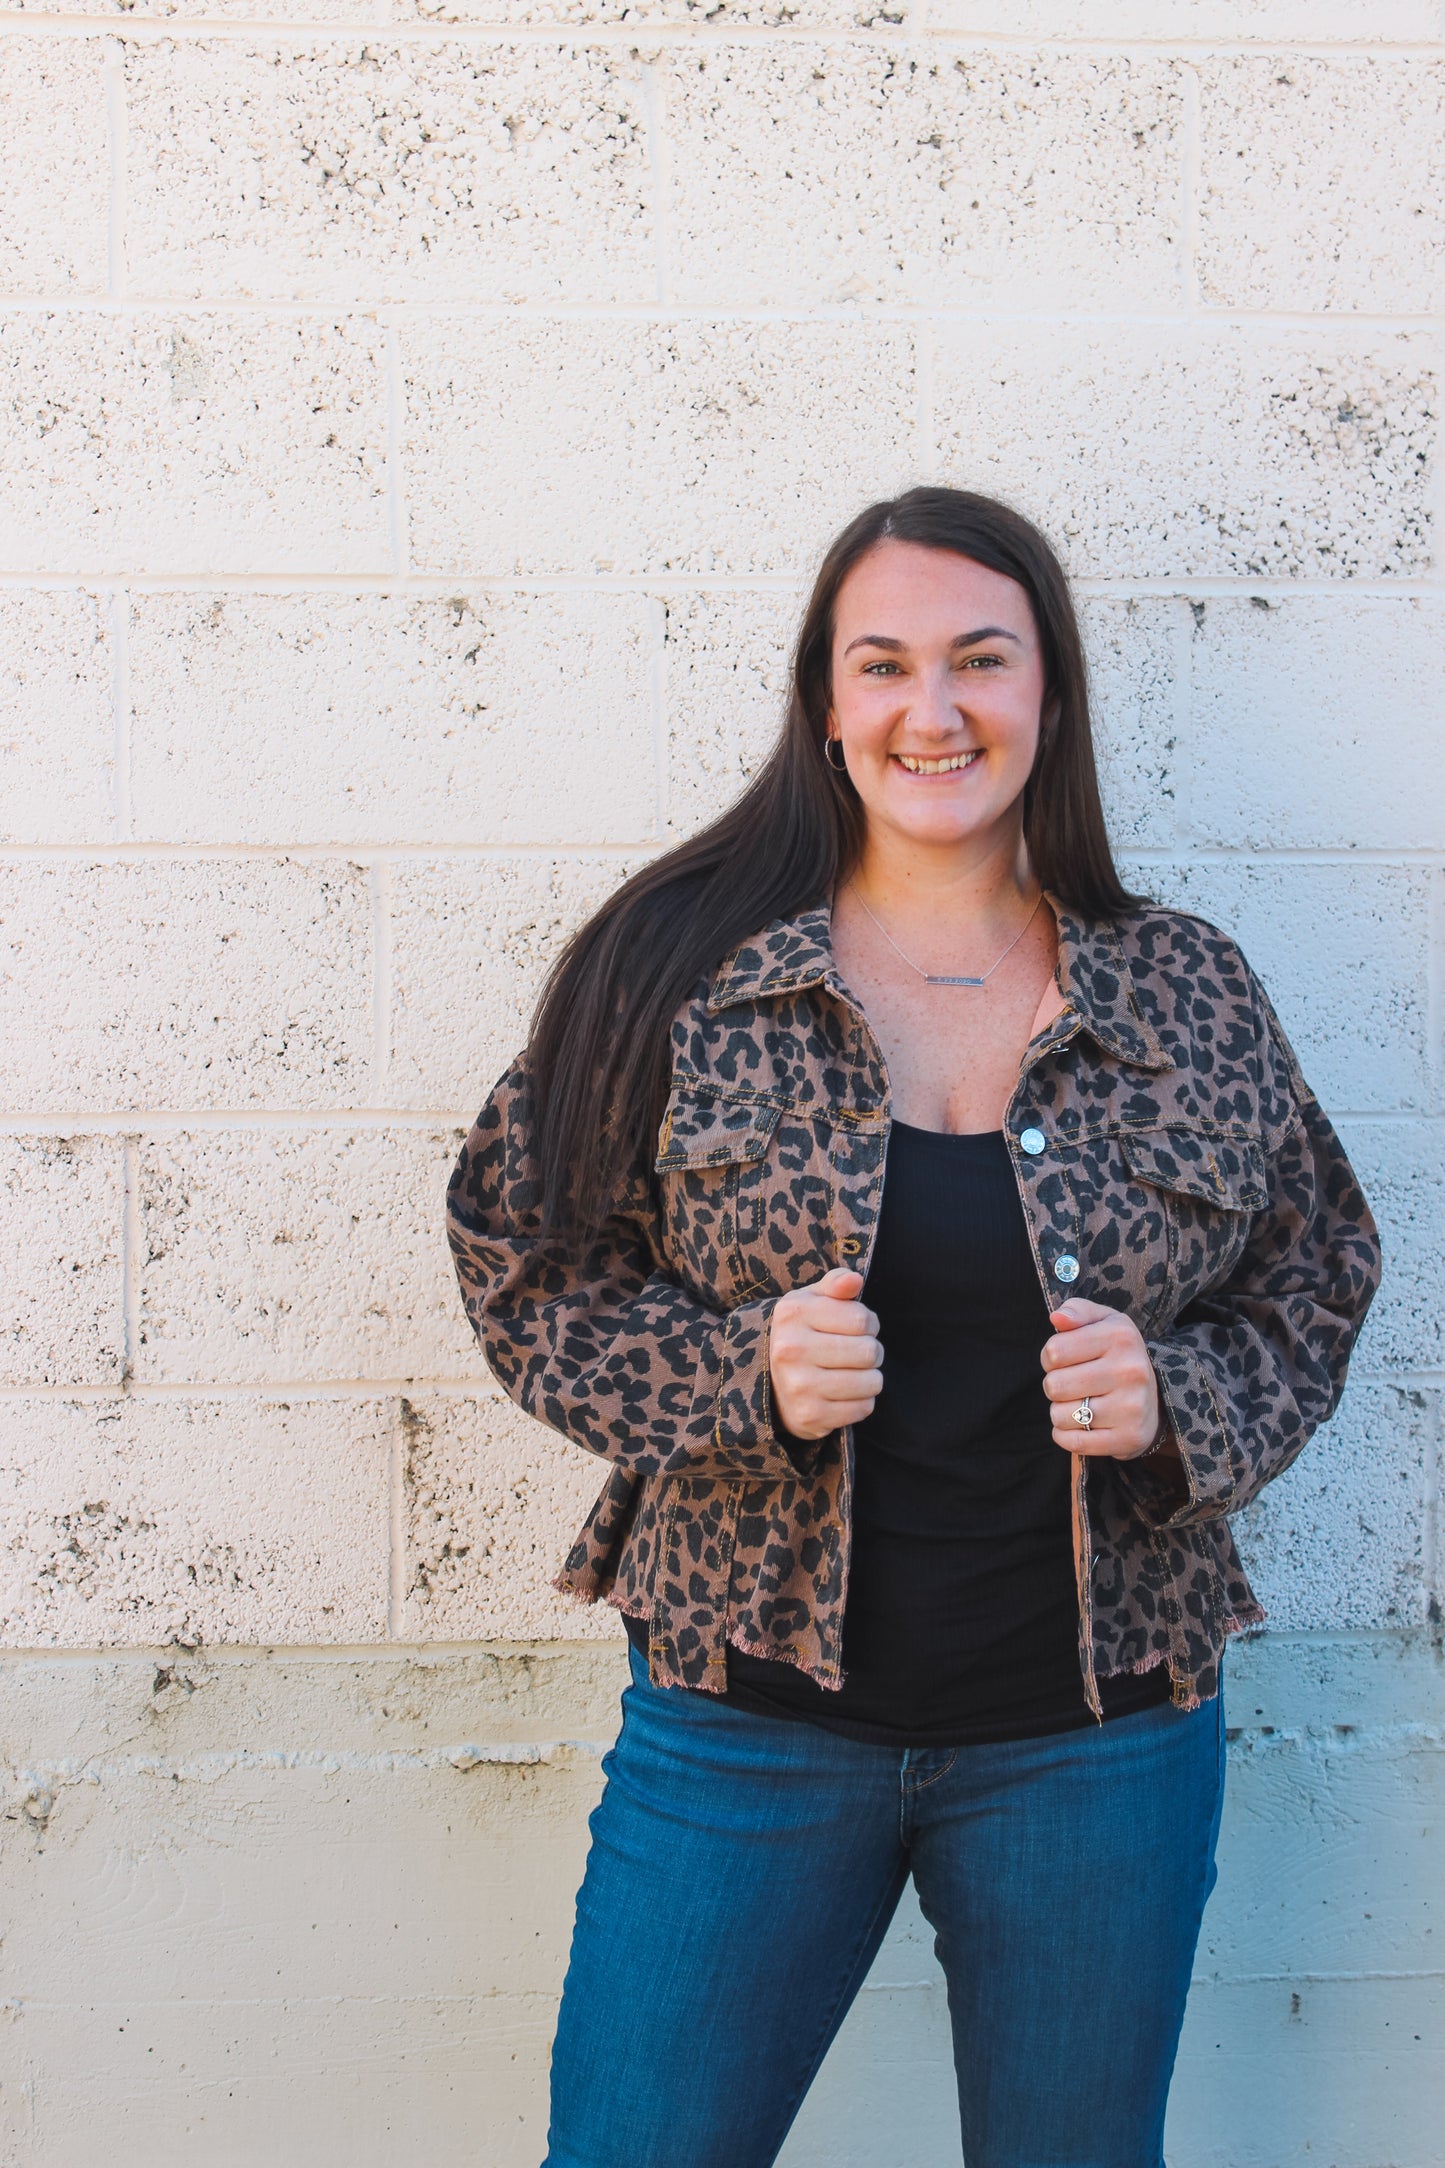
1187, 1176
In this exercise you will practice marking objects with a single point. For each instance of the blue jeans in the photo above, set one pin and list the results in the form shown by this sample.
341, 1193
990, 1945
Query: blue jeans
742, 1875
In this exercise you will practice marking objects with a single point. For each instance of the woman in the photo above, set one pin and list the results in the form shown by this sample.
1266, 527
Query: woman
939, 1243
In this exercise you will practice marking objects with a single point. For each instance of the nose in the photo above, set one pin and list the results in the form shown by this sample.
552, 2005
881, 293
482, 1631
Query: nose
933, 711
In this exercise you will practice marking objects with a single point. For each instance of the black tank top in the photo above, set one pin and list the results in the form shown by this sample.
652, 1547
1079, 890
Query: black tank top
961, 1623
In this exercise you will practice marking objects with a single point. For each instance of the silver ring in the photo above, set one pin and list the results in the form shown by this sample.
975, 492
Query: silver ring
1084, 1415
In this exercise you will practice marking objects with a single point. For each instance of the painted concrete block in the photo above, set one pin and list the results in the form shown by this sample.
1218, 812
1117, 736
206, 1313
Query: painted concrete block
61, 1295
181, 11
971, 176
57, 727
1343, 952
1339, 1540
1333, 1853
1133, 649
487, 1855
149, 983
713, 15
470, 718
139, 1522
325, 2079
389, 172
728, 657
855, 2113
415, 1704
54, 208
1312, 21
1322, 182
1314, 722
1113, 440
494, 1502
472, 941
1282, 2073
276, 1254
556, 446
1401, 1168
332, 1861
192, 443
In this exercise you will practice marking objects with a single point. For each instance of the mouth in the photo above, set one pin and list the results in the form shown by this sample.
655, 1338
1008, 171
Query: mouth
953, 764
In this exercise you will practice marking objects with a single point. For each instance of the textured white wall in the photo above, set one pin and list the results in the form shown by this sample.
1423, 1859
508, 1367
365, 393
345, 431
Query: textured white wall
416, 424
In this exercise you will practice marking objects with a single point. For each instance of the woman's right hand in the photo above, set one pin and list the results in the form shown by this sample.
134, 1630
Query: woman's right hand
824, 1356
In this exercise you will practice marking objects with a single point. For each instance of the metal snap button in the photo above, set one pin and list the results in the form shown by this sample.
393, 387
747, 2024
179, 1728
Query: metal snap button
1033, 1141
1066, 1268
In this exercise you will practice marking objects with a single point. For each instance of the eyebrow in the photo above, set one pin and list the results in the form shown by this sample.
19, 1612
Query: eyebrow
963, 639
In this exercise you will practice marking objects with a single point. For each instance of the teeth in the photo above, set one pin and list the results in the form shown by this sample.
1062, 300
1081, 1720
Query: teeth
915, 766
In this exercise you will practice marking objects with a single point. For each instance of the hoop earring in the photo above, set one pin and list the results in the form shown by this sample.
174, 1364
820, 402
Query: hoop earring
839, 767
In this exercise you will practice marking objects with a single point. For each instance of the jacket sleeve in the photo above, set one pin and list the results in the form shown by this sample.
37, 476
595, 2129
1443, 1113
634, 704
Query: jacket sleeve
1248, 1371
605, 1346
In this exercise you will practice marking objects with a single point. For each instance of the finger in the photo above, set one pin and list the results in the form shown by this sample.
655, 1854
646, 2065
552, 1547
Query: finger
847, 1411
1092, 1444
841, 1317
1078, 1310
1084, 1345
1068, 1432
839, 1352
1089, 1379
836, 1386
843, 1284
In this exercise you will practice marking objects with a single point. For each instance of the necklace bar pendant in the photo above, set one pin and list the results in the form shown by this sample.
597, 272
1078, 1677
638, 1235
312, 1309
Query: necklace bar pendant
934, 978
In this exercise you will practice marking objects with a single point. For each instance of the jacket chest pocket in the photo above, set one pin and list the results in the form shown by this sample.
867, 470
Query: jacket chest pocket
1167, 1213
713, 1180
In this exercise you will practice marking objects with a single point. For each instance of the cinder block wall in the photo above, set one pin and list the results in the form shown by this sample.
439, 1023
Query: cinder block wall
416, 424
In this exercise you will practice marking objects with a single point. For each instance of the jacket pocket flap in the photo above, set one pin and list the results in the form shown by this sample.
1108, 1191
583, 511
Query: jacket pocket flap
1222, 1170
699, 1130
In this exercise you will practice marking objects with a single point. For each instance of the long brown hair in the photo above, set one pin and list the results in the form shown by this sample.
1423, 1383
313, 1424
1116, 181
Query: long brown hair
598, 1051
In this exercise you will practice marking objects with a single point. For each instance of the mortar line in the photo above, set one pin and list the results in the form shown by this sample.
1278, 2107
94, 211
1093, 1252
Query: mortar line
1434, 990
406, 31
305, 852
117, 146
130, 1252
924, 363
661, 720
396, 1513
379, 880
418, 1121
300, 852
449, 1384
236, 1654
478, 1391
1107, 587
398, 526
961, 315
1191, 181
659, 169
1430, 1533
209, 1121
1182, 633
322, 1391
122, 814
228, 1654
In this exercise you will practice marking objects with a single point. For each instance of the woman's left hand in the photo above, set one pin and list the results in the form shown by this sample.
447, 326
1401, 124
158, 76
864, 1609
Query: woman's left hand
1099, 1354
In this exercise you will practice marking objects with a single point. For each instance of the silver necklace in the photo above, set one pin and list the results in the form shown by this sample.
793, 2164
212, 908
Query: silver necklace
939, 978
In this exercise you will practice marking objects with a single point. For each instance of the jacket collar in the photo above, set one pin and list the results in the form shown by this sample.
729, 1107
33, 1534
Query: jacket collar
1094, 976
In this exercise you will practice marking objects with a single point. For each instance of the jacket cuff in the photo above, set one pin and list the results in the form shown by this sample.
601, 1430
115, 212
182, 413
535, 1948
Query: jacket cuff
1199, 1485
745, 1439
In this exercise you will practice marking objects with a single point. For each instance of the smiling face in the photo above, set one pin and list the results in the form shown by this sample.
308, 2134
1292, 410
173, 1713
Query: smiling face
938, 688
